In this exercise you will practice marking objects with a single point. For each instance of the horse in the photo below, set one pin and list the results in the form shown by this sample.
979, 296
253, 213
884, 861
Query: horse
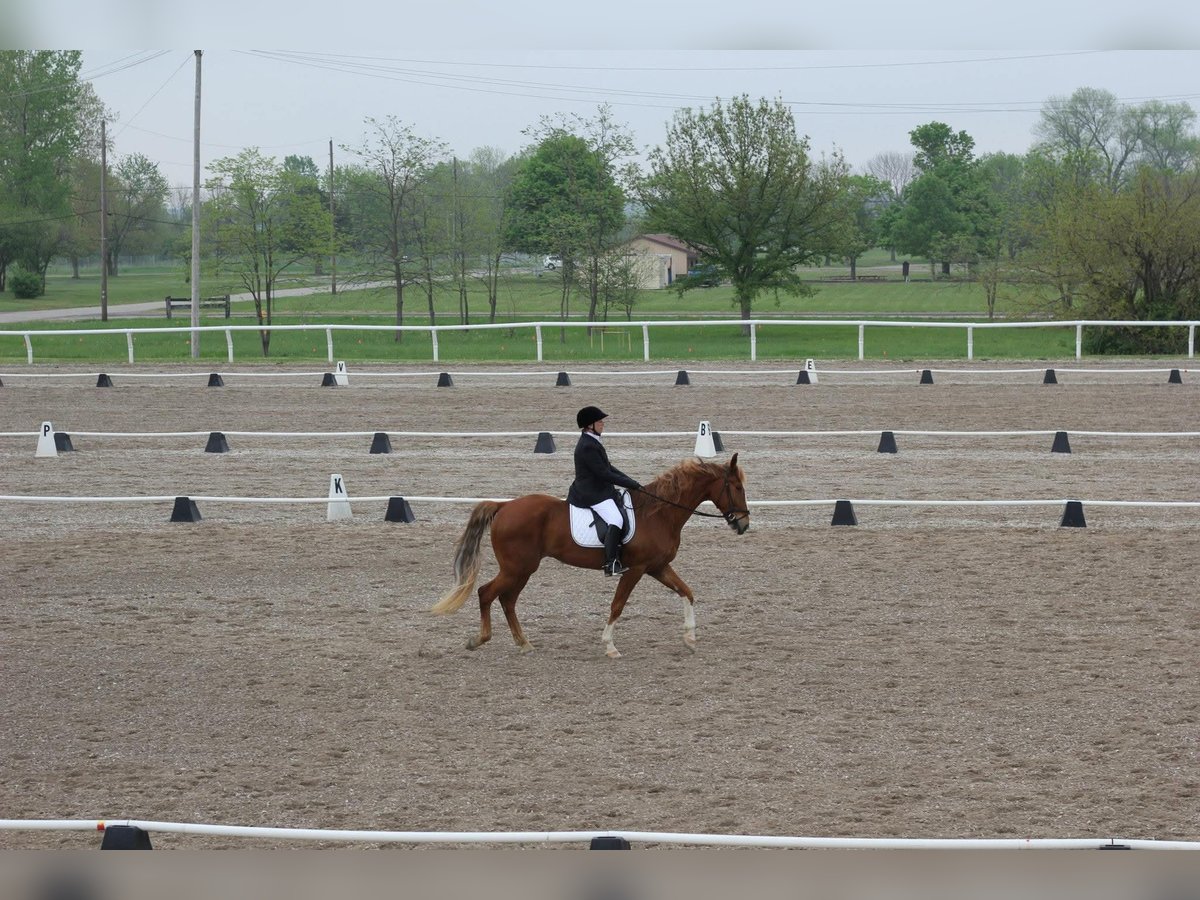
530, 528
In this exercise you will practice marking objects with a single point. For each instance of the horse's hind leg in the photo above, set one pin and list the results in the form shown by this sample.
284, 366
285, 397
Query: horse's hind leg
487, 593
508, 602
671, 579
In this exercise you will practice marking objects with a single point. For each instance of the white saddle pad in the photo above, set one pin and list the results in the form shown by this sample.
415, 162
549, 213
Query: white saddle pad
583, 523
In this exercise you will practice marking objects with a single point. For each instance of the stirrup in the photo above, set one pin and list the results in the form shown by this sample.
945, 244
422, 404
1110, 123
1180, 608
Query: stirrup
616, 567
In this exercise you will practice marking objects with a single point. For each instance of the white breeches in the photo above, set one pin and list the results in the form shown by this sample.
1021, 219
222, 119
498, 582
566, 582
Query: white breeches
607, 510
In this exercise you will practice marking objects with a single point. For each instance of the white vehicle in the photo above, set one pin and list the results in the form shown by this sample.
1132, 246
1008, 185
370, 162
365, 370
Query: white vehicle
552, 262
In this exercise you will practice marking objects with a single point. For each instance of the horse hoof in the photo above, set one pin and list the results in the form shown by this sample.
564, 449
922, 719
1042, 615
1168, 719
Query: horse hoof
613, 653
474, 644
690, 643
525, 648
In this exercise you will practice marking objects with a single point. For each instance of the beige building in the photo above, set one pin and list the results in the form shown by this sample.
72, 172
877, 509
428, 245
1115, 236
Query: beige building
663, 259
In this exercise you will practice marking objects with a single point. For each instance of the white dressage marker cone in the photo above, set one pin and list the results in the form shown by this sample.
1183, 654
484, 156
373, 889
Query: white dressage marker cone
339, 500
340, 376
46, 446
705, 448
810, 367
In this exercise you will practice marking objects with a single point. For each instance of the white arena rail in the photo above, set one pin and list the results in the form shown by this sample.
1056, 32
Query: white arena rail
163, 498
753, 327
576, 837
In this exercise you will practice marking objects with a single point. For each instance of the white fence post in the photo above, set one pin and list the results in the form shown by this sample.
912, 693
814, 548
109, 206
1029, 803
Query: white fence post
229, 343
329, 343
537, 329
1078, 341
753, 341
129, 343
646, 343
433, 338
1191, 341
970, 342
861, 333
28, 349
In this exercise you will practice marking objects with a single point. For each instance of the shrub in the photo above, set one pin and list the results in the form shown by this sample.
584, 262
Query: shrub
25, 285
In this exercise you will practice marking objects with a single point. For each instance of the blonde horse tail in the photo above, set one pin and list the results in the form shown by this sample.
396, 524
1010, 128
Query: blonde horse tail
467, 559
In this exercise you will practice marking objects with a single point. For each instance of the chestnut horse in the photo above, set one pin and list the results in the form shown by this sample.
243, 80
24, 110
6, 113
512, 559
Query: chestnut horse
528, 529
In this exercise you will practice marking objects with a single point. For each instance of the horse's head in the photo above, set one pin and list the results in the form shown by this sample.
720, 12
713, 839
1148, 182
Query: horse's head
728, 493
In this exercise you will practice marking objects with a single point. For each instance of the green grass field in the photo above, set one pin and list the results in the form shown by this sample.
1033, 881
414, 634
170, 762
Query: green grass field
531, 297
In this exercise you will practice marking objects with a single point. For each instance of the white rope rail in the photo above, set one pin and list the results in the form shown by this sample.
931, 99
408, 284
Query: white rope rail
162, 498
574, 837
611, 373
851, 432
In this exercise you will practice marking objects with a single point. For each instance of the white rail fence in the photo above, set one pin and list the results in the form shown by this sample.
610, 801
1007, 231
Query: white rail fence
753, 326
708, 440
185, 507
807, 375
583, 837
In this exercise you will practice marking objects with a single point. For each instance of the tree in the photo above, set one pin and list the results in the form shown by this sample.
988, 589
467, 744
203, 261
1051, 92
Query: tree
893, 169
564, 200
945, 210
1110, 140
259, 225
736, 184
396, 162
43, 129
488, 177
137, 199
865, 197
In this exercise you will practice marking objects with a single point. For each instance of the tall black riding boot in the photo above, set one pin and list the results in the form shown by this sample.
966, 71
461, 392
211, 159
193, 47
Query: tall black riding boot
612, 552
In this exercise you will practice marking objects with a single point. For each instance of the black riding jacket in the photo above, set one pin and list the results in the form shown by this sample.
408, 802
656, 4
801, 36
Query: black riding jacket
594, 474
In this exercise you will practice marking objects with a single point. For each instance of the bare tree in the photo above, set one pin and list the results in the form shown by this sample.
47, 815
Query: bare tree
397, 162
894, 169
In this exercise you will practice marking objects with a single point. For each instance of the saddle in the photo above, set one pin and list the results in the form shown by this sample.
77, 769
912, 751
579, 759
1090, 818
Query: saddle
587, 527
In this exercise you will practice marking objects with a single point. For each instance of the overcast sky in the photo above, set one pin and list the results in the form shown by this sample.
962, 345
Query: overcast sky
474, 75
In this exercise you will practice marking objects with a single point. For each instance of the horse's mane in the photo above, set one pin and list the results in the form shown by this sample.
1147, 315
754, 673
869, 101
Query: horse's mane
671, 484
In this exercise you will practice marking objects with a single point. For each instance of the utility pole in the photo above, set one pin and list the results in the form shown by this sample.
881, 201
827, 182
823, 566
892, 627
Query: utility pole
196, 219
103, 223
332, 226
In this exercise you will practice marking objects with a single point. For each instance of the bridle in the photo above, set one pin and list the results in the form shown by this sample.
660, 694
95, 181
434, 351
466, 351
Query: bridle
726, 491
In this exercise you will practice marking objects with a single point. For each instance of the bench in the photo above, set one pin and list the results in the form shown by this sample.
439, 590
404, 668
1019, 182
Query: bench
186, 303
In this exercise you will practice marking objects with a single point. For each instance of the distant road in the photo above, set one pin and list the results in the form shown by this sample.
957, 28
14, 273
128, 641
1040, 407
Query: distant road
148, 308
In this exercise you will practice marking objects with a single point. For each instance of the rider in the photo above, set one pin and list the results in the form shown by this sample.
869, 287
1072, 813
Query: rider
594, 481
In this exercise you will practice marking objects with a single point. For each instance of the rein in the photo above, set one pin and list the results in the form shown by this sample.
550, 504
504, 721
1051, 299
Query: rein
727, 516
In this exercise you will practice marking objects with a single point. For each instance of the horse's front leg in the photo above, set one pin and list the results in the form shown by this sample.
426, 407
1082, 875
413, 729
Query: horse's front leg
624, 589
671, 579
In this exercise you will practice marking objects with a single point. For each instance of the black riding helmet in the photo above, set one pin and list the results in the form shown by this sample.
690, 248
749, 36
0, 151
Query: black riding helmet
589, 415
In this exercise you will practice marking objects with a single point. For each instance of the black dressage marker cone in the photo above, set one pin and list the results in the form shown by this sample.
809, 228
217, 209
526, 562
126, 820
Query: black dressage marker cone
1073, 515
444, 380
215, 380
1049, 377
398, 510
1174, 377
545, 443
887, 442
608, 842
185, 510
564, 380
803, 378
62, 442
104, 381
682, 377
843, 513
216, 443
381, 443
1062, 444
125, 837
718, 444
327, 380
926, 376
